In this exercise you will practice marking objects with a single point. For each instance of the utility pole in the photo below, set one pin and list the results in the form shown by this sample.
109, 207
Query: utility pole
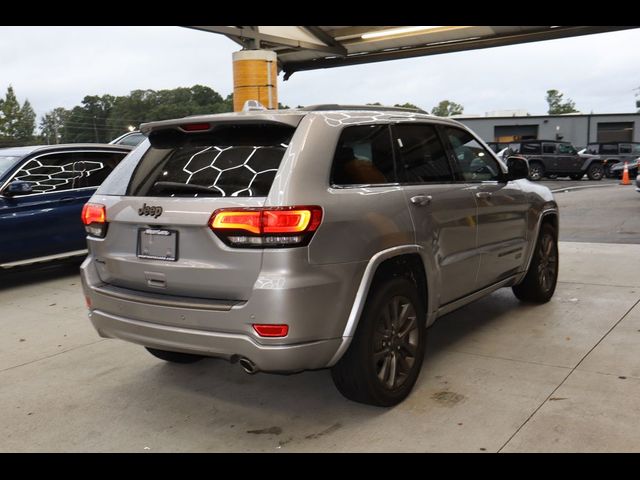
95, 129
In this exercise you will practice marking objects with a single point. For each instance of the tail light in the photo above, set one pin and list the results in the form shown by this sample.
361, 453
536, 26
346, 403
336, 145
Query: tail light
274, 227
94, 217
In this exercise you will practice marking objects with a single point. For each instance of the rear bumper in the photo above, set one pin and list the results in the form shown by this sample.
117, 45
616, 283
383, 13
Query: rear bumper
271, 358
315, 306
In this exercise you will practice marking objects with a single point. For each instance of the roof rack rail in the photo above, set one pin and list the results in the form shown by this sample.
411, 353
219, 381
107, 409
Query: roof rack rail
376, 108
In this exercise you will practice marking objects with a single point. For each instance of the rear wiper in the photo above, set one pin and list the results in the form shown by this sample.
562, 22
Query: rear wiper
177, 187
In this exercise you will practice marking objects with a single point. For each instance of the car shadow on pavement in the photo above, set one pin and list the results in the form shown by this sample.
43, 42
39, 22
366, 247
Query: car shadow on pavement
224, 383
33, 274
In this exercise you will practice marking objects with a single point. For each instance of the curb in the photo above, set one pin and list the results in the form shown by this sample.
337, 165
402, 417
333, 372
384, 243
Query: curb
580, 187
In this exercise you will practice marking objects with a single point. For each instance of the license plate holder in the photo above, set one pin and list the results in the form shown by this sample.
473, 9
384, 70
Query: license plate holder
157, 244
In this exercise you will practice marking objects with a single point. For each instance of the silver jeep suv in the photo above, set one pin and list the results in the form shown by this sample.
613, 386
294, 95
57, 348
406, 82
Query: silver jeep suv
324, 237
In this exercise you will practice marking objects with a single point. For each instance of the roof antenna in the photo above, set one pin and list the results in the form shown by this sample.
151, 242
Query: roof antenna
252, 105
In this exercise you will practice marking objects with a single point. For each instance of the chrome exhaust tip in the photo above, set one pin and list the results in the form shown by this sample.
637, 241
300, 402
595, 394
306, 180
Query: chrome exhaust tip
248, 366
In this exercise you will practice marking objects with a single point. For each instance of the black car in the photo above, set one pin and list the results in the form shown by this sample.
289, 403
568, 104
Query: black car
614, 154
550, 158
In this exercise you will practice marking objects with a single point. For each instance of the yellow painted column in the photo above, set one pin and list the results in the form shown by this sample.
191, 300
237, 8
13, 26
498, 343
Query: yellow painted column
255, 77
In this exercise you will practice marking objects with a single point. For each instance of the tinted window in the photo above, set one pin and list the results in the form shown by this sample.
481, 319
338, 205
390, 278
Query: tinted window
530, 148
363, 156
609, 149
94, 167
422, 156
565, 148
50, 173
6, 163
133, 139
548, 148
592, 148
625, 148
230, 161
64, 171
474, 162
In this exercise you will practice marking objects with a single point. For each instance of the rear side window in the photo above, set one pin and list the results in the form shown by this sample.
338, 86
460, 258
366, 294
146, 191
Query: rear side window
230, 161
548, 148
422, 156
363, 156
530, 148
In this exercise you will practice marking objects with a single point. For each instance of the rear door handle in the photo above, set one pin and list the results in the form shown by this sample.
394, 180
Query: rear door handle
484, 195
421, 200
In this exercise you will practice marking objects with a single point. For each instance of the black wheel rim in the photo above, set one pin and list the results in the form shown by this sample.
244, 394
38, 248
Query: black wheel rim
548, 264
535, 172
396, 339
597, 173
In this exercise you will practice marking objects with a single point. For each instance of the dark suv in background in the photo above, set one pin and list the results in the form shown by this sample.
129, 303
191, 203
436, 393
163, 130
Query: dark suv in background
614, 154
548, 158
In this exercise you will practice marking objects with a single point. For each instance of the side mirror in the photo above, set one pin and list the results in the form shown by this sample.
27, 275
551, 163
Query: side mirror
518, 167
18, 187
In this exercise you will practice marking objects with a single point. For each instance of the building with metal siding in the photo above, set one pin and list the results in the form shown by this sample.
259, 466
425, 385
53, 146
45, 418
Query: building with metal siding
579, 129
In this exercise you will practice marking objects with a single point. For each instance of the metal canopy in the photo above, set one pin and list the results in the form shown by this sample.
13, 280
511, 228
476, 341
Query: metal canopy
309, 48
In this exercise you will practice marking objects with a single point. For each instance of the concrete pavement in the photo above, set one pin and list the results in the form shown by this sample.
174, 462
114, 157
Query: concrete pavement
498, 376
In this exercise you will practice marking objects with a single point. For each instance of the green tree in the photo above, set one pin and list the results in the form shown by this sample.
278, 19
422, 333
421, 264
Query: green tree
88, 123
407, 105
16, 124
26, 124
556, 106
52, 125
446, 108
10, 111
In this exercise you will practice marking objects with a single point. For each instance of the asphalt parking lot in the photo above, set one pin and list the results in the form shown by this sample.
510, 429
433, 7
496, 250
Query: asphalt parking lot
499, 376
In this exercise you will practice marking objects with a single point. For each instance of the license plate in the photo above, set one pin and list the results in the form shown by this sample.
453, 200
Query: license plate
158, 244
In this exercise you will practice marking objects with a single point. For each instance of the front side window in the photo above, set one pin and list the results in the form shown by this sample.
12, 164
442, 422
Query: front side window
363, 156
609, 149
50, 173
474, 162
566, 149
423, 158
229, 161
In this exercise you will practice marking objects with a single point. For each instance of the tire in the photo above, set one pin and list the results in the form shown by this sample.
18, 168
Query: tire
607, 170
174, 357
595, 171
536, 171
576, 176
380, 368
539, 284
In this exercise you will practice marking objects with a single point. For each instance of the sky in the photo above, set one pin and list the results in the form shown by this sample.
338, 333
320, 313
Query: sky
57, 66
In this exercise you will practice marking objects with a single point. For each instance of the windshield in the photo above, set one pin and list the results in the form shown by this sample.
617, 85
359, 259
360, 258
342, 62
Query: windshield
6, 163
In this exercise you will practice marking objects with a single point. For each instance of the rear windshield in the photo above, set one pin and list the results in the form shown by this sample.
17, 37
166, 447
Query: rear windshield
230, 161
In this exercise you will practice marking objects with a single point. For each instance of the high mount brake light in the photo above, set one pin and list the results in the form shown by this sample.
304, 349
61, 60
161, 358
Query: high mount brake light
267, 226
195, 127
94, 217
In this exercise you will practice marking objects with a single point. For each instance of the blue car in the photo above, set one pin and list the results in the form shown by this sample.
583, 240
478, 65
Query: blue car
42, 192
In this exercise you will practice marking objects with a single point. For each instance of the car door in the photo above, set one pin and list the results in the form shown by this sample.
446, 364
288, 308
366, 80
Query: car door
502, 207
47, 221
443, 210
550, 158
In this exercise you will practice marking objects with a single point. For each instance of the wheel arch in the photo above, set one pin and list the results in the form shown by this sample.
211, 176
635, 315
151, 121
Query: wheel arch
402, 261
